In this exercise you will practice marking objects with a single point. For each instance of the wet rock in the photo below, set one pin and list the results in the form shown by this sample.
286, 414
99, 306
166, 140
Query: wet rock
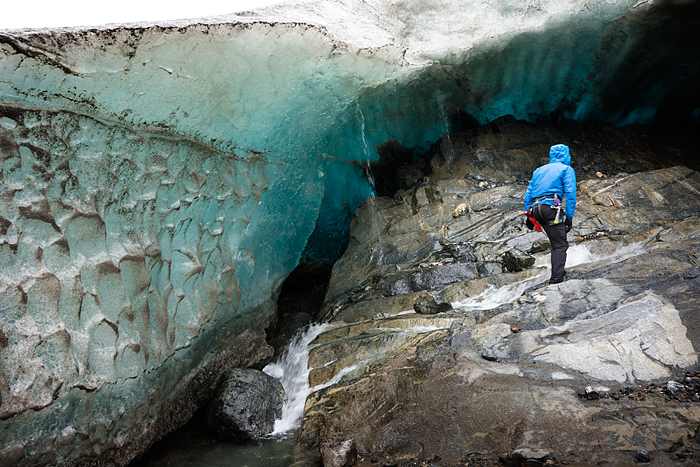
338, 451
674, 387
370, 308
448, 274
428, 304
460, 251
524, 457
427, 278
517, 260
460, 210
643, 456
246, 404
489, 268
620, 322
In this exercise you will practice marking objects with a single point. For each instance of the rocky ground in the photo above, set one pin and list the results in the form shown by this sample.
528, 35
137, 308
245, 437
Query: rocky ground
600, 369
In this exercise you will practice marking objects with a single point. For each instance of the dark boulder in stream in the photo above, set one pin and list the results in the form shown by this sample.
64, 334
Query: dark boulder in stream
246, 404
517, 260
428, 305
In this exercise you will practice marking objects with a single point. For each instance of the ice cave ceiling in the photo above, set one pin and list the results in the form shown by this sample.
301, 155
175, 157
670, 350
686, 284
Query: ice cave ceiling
332, 80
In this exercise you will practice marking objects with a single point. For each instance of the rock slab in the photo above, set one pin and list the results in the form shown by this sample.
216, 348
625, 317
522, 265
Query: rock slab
518, 366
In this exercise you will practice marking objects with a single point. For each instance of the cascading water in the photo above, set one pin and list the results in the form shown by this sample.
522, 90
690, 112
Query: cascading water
447, 128
293, 372
376, 254
192, 444
493, 297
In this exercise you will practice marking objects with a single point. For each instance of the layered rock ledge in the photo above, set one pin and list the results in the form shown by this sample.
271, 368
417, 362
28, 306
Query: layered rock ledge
518, 365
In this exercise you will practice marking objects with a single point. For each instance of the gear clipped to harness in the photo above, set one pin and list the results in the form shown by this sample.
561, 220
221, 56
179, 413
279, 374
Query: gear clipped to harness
532, 223
556, 205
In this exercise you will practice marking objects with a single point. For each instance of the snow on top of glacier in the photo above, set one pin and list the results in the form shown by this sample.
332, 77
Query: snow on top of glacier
426, 31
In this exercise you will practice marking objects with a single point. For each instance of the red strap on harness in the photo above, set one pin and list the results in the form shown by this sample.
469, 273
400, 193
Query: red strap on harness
537, 225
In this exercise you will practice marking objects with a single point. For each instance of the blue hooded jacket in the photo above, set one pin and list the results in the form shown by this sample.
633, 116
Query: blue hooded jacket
557, 177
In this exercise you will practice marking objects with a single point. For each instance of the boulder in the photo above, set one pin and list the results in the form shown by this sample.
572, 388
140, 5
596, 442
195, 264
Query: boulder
338, 451
517, 260
428, 304
246, 404
643, 456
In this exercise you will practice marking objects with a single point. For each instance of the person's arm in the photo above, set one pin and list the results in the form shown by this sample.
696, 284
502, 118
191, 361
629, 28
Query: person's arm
570, 192
528, 196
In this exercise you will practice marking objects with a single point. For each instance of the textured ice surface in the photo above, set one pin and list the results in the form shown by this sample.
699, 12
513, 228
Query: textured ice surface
121, 249
158, 182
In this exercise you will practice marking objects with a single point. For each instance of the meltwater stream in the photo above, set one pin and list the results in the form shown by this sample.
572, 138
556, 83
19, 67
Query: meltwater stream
293, 372
193, 445
493, 297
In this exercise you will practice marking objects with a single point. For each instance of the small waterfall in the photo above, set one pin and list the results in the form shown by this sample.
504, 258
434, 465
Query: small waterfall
447, 127
292, 370
493, 297
376, 254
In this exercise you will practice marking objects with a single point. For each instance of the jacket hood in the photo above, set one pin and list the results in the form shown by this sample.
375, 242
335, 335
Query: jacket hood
560, 153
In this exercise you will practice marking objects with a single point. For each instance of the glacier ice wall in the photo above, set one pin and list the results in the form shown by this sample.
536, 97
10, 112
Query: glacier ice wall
126, 259
158, 182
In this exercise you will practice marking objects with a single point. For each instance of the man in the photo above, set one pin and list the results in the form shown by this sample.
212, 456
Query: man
550, 185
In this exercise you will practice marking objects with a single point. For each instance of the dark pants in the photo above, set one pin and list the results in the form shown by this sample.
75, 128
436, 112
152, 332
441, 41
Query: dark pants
557, 238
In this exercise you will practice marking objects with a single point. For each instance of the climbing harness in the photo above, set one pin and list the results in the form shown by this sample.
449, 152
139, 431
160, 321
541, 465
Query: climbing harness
556, 204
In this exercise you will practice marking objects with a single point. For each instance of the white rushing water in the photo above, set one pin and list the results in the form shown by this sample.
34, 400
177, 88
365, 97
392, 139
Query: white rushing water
493, 297
580, 254
292, 370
